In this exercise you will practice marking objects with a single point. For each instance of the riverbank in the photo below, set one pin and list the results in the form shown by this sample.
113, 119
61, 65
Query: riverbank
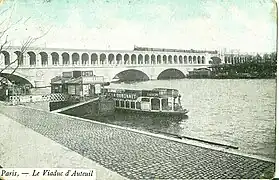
246, 70
21, 147
133, 154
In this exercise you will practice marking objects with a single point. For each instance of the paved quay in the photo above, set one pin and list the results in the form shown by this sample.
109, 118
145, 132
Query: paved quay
135, 155
21, 147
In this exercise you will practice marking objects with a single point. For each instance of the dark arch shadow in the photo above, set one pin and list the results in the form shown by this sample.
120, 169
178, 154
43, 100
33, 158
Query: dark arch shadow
131, 75
171, 74
16, 79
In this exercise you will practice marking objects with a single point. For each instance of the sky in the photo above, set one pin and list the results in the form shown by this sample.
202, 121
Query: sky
247, 25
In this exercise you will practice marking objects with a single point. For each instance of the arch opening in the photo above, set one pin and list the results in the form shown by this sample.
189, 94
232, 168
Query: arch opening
140, 59
7, 59
111, 59
190, 59
102, 58
84, 59
159, 59
15, 79
131, 75
55, 58
194, 60
32, 58
180, 60
185, 59
170, 59
126, 59
19, 58
66, 58
119, 59
165, 59
146, 59
153, 59
75, 58
175, 59
171, 74
133, 59
203, 60
94, 58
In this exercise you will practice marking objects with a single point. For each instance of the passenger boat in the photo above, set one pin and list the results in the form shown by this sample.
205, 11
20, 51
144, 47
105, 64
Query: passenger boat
158, 101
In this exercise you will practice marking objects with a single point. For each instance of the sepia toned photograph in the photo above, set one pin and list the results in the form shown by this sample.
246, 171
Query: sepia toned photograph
138, 89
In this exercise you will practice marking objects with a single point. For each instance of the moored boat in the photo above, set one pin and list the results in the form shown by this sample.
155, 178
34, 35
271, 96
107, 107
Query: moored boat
158, 101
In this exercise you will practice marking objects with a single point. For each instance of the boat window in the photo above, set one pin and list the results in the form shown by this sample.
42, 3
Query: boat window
145, 99
122, 103
138, 105
127, 104
117, 103
155, 104
165, 104
133, 105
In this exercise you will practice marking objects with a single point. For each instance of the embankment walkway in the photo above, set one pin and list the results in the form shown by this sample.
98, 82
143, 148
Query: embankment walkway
21, 147
131, 154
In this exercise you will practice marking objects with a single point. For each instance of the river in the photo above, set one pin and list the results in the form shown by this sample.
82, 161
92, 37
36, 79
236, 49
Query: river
236, 112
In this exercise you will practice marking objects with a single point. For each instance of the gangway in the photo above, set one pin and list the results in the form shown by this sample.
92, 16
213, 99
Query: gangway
75, 105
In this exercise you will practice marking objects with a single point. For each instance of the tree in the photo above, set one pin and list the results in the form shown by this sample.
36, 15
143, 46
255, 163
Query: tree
5, 26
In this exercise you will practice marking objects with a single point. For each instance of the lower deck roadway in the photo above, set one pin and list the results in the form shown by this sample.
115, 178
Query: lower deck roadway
135, 155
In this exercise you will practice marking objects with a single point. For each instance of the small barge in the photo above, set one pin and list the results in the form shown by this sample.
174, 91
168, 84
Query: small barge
158, 101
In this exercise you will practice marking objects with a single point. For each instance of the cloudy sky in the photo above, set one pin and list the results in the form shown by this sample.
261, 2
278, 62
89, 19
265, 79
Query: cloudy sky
248, 25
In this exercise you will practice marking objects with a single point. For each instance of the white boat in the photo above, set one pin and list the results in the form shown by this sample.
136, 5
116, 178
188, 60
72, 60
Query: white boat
158, 101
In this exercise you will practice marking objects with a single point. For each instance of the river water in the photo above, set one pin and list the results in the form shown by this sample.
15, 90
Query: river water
236, 112
230, 111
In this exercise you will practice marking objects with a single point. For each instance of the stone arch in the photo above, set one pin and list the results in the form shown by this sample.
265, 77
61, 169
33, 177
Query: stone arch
169, 59
153, 59
171, 74
165, 59
126, 59
55, 58
111, 58
19, 57
190, 59
203, 60
140, 59
175, 59
226, 59
17, 79
159, 61
146, 59
199, 60
180, 59
185, 60
84, 59
132, 75
118, 59
94, 58
7, 58
75, 59
194, 60
103, 58
44, 58
65, 58
133, 59
32, 58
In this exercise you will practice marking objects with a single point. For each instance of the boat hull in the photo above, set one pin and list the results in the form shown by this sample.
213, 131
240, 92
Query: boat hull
181, 114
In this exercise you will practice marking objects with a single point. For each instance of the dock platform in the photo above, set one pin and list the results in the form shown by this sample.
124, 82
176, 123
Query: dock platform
135, 155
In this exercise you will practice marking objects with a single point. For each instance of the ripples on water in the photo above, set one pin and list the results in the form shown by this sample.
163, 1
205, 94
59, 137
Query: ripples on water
236, 112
